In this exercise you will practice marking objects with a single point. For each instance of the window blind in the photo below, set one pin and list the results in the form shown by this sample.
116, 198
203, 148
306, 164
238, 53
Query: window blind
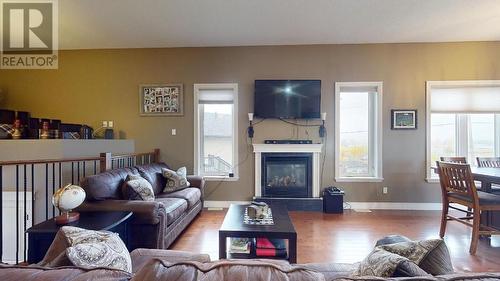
358, 89
216, 96
465, 99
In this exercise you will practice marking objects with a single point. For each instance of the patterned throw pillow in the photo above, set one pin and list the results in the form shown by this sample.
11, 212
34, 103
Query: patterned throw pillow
136, 187
91, 249
175, 179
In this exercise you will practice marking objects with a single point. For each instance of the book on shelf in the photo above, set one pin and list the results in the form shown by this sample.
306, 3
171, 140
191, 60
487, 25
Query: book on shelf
240, 246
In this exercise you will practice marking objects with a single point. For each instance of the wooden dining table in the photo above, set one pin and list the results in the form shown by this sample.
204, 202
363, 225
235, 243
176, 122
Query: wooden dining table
487, 177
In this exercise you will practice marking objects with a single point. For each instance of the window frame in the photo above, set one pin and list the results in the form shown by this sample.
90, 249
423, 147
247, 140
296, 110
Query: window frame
197, 137
375, 130
461, 123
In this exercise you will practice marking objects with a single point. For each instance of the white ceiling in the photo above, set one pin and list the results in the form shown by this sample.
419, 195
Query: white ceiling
92, 24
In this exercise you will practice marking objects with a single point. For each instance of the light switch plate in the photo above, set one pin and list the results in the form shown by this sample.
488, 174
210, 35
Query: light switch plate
105, 124
174, 132
111, 124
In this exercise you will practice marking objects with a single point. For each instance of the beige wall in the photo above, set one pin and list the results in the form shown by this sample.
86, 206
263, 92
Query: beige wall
95, 85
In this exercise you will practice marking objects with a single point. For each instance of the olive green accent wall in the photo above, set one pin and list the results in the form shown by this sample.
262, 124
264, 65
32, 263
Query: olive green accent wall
95, 85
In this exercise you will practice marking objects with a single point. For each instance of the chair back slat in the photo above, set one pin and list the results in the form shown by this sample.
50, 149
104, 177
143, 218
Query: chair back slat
490, 162
456, 178
454, 159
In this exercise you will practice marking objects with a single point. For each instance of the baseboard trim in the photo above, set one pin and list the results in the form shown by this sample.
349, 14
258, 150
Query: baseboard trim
354, 205
396, 206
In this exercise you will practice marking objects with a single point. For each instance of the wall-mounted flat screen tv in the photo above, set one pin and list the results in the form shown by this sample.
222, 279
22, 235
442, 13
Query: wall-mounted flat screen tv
287, 99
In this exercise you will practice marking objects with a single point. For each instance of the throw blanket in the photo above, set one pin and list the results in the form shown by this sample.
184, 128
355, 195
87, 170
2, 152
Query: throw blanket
384, 260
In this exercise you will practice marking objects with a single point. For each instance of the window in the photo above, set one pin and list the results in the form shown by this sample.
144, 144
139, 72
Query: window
358, 131
462, 120
216, 135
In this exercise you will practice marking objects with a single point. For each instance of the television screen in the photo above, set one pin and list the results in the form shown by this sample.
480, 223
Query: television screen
291, 99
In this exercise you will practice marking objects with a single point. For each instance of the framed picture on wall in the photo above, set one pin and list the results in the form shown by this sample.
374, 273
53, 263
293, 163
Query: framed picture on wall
161, 100
403, 119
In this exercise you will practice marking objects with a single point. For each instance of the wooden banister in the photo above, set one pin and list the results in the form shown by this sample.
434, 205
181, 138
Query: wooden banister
47, 161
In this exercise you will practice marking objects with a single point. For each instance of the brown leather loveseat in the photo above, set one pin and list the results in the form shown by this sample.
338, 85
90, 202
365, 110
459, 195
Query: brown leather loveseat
154, 224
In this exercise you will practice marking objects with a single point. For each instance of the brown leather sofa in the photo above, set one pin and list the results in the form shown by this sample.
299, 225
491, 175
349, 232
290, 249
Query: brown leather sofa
154, 224
165, 265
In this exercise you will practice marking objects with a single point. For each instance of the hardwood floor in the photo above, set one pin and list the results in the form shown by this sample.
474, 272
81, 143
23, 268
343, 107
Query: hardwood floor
350, 237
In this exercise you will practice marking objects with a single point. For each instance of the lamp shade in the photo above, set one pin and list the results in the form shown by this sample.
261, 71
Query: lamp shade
323, 116
250, 116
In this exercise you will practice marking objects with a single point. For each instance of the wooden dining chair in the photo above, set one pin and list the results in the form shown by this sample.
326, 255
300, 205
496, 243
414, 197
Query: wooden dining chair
488, 162
453, 159
457, 186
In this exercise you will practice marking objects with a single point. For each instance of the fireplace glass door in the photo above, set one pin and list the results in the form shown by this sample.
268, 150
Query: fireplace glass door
286, 175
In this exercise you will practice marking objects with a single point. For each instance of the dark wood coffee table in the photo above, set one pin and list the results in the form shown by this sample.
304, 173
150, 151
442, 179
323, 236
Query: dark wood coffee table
41, 235
233, 226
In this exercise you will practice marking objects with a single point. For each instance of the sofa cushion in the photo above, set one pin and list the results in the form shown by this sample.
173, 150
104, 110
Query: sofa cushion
152, 173
174, 207
191, 194
176, 180
106, 185
136, 187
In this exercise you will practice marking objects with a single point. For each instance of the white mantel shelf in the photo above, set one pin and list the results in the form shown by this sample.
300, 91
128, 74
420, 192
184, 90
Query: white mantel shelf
315, 149
304, 148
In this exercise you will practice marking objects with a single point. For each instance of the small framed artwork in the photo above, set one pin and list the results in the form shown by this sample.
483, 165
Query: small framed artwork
403, 119
161, 100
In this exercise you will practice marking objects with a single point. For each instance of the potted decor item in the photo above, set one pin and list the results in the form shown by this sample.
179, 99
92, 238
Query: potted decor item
66, 199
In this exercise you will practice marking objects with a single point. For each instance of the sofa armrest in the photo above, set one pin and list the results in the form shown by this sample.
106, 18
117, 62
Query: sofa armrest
147, 212
196, 181
199, 182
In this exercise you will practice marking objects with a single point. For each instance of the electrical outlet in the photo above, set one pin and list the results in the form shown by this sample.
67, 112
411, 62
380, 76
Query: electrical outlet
385, 190
110, 124
105, 124
174, 132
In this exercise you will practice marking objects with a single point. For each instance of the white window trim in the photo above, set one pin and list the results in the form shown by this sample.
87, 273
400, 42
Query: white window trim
196, 93
377, 152
460, 150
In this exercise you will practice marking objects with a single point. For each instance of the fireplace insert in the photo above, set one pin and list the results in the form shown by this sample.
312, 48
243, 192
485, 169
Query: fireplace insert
286, 175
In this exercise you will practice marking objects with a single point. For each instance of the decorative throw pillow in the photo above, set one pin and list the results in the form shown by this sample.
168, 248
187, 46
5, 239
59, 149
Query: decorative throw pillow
382, 263
136, 187
175, 179
91, 249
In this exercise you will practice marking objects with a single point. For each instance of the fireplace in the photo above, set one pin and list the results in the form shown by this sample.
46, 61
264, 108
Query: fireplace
286, 175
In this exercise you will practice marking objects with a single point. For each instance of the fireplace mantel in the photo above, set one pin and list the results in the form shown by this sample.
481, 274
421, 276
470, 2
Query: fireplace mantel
315, 149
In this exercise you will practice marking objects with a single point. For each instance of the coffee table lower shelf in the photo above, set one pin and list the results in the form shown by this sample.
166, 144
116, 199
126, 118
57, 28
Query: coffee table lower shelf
233, 227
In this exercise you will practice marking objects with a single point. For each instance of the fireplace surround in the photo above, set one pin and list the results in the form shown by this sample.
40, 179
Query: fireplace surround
311, 150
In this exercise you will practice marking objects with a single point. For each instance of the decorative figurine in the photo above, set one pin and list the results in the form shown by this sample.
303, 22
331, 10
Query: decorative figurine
45, 133
17, 133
